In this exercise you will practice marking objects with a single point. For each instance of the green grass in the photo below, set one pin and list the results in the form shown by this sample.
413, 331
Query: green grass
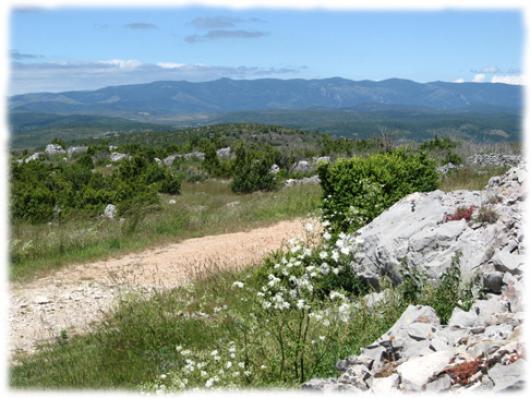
469, 178
202, 209
137, 344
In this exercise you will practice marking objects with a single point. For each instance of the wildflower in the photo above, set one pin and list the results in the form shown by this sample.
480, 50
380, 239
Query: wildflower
324, 269
238, 284
335, 255
300, 304
179, 348
210, 382
326, 235
214, 353
263, 367
322, 338
309, 227
228, 364
163, 376
266, 304
241, 365
185, 352
323, 255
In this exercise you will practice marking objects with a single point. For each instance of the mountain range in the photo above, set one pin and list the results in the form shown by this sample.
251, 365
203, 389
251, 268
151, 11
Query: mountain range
167, 101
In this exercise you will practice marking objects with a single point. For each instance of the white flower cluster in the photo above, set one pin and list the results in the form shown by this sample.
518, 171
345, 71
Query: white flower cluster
219, 367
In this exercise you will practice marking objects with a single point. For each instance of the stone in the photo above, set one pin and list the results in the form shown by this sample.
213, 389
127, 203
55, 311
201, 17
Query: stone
35, 156
505, 376
168, 161
117, 156
275, 169
498, 332
487, 309
54, 149
442, 383
420, 331
439, 343
412, 314
493, 282
507, 262
42, 300
302, 181
463, 319
76, 150
318, 384
416, 372
301, 166
110, 211
321, 160
357, 375
224, 153
194, 155
385, 384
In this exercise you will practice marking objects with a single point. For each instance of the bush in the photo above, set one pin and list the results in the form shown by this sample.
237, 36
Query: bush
357, 190
252, 170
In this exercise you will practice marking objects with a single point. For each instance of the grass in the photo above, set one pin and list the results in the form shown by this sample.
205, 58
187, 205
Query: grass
218, 327
469, 178
202, 209
139, 345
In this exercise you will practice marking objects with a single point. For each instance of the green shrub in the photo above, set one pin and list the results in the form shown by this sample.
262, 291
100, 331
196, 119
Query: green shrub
357, 190
252, 170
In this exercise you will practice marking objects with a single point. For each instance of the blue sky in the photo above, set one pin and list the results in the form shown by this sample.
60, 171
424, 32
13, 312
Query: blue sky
82, 48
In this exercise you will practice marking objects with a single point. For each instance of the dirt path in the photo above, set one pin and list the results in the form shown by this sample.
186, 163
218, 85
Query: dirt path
73, 298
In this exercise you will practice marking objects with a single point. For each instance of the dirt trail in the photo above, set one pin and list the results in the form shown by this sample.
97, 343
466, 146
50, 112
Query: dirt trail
75, 297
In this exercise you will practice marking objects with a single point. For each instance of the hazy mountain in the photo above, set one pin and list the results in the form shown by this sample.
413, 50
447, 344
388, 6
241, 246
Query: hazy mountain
163, 99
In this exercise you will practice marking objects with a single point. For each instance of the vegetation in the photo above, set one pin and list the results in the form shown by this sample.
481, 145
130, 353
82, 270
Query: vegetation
357, 190
252, 170
273, 326
201, 209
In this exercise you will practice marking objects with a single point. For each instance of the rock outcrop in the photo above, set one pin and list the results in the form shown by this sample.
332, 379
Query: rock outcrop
478, 350
494, 160
425, 231
291, 182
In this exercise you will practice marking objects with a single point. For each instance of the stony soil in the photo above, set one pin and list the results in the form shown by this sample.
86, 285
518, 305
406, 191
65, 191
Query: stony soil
76, 297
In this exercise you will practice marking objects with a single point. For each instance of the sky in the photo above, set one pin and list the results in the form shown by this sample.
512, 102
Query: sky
88, 48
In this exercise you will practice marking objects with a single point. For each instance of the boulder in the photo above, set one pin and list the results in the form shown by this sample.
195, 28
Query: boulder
76, 150
506, 377
35, 156
416, 372
381, 385
301, 166
110, 211
54, 149
321, 160
313, 180
275, 169
194, 155
168, 161
117, 156
224, 153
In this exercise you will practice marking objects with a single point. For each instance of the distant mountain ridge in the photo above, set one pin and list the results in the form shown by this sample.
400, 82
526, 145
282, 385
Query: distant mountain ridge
151, 101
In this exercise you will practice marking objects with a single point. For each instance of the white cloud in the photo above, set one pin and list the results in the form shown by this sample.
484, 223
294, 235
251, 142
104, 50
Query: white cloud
170, 65
479, 78
508, 79
64, 76
122, 63
459, 80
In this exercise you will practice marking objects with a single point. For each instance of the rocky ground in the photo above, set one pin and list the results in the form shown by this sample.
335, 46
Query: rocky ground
481, 349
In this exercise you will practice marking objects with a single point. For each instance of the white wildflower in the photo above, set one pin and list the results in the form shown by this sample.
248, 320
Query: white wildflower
238, 284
